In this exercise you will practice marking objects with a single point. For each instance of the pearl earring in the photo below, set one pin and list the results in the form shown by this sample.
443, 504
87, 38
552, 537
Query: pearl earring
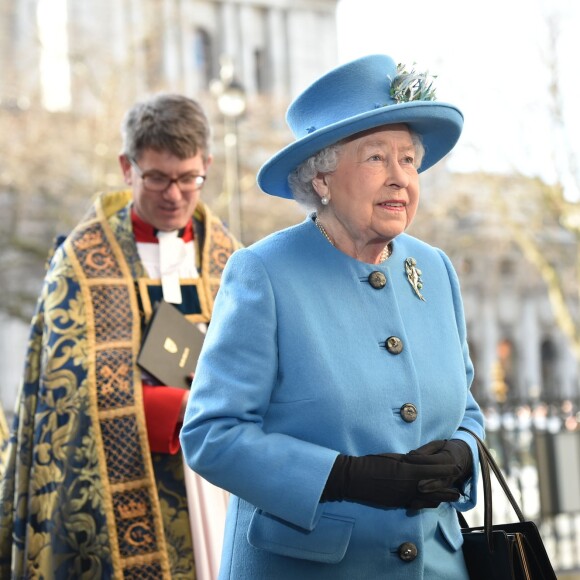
324, 200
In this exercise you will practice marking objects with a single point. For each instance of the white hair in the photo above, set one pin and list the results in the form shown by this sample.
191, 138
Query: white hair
326, 161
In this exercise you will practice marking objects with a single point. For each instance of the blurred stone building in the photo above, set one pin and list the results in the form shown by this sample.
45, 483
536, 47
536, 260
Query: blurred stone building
107, 53
69, 72
521, 356
277, 46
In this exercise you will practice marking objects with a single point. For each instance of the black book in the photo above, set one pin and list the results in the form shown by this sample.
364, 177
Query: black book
170, 347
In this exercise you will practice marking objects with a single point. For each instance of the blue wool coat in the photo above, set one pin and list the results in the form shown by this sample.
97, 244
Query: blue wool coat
295, 370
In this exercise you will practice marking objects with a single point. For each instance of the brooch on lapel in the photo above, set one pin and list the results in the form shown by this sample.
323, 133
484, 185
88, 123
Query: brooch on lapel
414, 276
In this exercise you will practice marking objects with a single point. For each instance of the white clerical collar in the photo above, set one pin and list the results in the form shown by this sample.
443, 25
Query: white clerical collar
171, 255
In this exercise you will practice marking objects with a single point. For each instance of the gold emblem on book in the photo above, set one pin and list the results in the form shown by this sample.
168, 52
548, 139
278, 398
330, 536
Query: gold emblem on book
170, 346
184, 357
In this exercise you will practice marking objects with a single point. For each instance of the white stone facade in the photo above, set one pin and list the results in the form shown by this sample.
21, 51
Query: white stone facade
277, 46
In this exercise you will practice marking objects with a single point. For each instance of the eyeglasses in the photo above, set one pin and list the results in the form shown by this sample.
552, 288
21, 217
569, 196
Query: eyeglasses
159, 182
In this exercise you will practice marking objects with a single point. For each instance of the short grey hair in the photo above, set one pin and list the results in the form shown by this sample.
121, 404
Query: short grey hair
166, 122
326, 161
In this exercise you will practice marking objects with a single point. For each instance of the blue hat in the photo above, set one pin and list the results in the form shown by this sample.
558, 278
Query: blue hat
354, 97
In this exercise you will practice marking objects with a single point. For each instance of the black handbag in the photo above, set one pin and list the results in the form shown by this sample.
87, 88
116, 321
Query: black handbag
503, 551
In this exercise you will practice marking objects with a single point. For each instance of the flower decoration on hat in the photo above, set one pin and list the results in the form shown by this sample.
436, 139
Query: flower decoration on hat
411, 86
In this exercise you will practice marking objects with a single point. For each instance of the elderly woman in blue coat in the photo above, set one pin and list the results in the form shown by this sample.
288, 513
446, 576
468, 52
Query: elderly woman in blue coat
334, 383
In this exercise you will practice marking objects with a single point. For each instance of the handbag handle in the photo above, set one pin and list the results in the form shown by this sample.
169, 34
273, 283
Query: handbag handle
487, 462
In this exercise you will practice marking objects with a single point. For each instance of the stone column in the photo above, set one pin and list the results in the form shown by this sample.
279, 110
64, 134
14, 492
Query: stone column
488, 345
171, 43
529, 347
277, 43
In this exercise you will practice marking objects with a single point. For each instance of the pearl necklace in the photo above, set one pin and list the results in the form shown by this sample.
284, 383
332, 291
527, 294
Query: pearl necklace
382, 258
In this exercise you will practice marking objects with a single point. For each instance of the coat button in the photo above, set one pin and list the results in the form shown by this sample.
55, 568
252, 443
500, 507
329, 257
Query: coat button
407, 552
408, 412
394, 345
377, 280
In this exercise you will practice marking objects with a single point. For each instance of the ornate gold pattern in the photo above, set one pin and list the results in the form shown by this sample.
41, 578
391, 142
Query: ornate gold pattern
80, 463
135, 524
113, 319
216, 251
109, 289
115, 378
144, 571
94, 254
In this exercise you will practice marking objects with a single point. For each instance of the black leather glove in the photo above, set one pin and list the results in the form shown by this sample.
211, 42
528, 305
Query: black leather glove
445, 452
389, 480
